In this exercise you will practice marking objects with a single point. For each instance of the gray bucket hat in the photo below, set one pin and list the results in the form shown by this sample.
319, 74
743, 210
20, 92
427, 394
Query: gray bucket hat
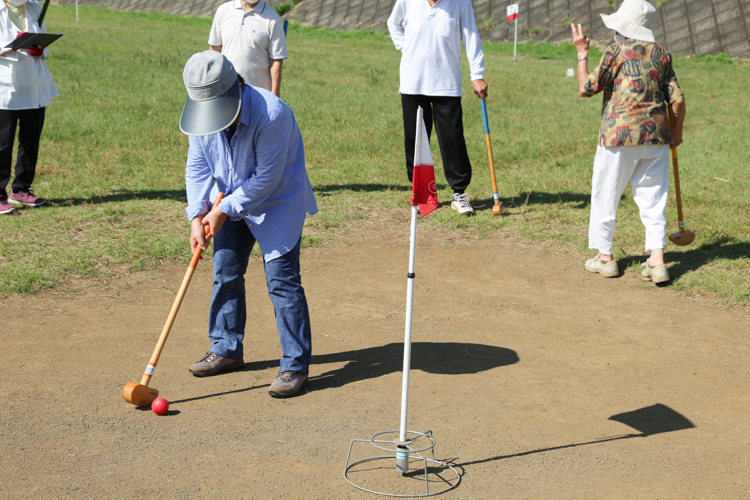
213, 88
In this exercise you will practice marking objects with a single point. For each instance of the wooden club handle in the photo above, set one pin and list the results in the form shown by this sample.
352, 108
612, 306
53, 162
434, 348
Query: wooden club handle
175, 308
680, 218
489, 151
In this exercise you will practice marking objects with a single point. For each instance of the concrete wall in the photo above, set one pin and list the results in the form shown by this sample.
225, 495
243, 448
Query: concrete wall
205, 8
685, 27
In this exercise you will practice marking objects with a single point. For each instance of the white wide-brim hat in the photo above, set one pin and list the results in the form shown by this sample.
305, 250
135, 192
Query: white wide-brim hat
632, 20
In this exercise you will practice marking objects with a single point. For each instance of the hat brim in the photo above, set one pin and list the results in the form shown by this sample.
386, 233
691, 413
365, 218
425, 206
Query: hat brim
213, 115
627, 28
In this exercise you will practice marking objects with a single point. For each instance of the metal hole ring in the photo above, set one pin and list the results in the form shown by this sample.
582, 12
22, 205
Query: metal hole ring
411, 450
391, 457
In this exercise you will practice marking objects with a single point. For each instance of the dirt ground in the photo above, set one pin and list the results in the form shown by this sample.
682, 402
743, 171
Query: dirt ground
536, 379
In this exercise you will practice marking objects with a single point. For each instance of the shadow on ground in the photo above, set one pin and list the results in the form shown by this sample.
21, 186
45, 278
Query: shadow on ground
176, 195
450, 358
330, 189
655, 419
683, 262
578, 201
575, 200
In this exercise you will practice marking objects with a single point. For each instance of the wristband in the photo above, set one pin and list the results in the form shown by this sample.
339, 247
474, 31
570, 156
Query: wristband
582, 58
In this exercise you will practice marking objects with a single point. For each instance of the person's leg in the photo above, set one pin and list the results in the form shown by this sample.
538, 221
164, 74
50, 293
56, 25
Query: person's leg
30, 125
409, 105
450, 133
292, 315
650, 185
8, 121
227, 314
613, 168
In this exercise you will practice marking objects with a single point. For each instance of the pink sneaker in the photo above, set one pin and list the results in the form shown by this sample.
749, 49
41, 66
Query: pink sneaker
5, 207
26, 198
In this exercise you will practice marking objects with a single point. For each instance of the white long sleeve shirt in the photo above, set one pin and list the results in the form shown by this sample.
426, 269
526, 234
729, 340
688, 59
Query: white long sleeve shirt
25, 81
429, 38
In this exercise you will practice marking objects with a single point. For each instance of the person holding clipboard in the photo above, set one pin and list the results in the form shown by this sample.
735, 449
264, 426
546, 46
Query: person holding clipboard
26, 89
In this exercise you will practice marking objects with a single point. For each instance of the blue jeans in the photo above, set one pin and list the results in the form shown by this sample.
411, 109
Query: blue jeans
228, 312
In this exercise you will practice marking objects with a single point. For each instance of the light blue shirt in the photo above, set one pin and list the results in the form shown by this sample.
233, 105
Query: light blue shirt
261, 171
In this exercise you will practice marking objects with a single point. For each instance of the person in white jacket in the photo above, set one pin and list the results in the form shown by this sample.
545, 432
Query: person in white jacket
429, 33
26, 89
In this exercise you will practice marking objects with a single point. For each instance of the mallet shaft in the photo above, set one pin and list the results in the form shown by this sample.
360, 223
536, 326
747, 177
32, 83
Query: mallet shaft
495, 195
680, 218
175, 307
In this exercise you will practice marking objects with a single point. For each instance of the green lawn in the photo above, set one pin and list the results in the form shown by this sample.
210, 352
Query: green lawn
112, 158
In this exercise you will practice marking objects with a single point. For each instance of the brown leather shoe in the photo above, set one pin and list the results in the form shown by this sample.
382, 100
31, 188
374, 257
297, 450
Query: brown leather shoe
288, 384
212, 363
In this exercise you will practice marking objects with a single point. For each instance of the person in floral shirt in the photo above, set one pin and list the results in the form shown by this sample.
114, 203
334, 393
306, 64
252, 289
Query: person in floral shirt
638, 83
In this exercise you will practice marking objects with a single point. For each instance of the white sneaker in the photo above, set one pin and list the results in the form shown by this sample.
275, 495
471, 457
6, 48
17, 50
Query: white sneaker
656, 274
460, 203
606, 269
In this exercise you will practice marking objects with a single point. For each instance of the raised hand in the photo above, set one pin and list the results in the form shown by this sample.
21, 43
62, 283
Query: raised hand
580, 41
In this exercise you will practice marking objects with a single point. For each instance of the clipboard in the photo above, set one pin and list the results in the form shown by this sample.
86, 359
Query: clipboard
29, 40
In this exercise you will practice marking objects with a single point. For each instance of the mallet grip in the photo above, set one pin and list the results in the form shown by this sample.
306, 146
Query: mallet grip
175, 307
198, 249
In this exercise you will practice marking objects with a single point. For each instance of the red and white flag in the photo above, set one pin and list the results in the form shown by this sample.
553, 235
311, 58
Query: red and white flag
424, 189
512, 12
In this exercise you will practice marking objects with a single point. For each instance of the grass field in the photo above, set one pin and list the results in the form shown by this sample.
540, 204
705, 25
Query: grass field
112, 156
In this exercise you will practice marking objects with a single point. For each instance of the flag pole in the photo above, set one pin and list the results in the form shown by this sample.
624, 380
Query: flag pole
402, 456
424, 192
515, 39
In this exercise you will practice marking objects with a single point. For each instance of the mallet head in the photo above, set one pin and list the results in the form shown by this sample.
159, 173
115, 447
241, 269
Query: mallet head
497, 209
139, 394
682, 238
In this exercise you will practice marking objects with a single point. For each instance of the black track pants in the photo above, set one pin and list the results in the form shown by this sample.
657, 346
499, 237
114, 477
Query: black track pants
30, 123
448, 116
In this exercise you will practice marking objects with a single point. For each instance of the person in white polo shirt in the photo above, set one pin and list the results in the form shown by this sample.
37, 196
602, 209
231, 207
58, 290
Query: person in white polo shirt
251, 36
429, 33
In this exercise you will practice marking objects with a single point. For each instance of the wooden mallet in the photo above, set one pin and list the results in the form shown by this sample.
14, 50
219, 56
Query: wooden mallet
141, 394
683, 237
497, 208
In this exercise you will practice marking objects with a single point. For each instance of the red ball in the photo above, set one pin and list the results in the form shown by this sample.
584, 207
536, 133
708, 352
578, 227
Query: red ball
160, 406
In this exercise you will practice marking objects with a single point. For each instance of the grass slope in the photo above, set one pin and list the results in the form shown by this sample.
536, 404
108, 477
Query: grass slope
112, 156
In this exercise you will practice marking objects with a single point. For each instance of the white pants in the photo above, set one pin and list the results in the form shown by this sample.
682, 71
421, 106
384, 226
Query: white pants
647, 169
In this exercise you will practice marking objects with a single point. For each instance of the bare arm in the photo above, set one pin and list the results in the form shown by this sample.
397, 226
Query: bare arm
276, 76
216, 48
581, 43
678, 107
